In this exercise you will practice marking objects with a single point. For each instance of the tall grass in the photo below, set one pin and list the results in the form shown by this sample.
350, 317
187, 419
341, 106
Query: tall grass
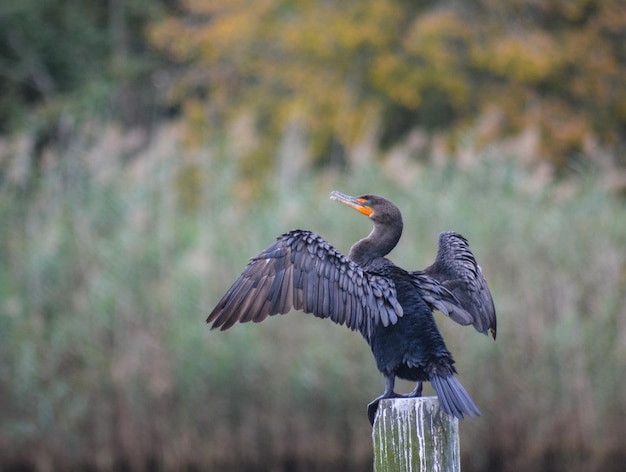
109, 265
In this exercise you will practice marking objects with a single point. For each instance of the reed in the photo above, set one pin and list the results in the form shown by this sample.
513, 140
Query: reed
109, 265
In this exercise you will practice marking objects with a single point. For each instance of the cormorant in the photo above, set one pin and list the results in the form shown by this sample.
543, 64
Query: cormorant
391, 307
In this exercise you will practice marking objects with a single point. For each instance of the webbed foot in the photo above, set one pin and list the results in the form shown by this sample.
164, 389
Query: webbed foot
372, 408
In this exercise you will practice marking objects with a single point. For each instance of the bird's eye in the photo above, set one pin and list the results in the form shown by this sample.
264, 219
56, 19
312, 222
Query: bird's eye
367, 203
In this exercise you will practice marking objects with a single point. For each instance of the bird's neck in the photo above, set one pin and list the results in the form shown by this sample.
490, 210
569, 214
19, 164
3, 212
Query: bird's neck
378, 243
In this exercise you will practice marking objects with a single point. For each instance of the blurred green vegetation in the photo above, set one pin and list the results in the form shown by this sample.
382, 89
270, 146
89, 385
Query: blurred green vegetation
108, 269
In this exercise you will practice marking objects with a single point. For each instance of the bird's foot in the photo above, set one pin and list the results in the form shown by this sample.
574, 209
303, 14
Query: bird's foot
372, 408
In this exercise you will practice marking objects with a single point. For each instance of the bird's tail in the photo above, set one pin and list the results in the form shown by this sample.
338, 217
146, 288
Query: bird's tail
453, 398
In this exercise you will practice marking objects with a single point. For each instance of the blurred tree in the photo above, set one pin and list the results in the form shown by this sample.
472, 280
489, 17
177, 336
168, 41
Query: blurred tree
55, 55
558, 66
335, 67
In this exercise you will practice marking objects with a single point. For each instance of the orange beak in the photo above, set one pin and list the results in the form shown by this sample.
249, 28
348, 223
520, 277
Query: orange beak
359, 204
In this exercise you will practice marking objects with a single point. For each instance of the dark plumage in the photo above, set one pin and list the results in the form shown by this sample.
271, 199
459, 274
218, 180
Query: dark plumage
391, 307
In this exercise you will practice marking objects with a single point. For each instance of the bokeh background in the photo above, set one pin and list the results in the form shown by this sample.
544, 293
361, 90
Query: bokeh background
148, 148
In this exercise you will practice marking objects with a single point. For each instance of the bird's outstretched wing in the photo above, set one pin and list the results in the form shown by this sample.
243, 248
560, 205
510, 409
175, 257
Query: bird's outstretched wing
456, 269
302, 271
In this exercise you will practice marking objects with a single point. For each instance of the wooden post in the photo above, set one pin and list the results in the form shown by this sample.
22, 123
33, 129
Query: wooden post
415, 435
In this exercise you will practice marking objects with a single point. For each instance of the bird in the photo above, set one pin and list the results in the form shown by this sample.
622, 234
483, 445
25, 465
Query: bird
391, 307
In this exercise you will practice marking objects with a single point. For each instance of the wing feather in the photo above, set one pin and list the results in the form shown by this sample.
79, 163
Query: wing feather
302, 271
457, 272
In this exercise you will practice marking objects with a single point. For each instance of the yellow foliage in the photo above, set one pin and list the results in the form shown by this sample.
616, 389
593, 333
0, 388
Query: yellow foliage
563, 130
393, 74
431, 56
437, 36
332, 65
524, 58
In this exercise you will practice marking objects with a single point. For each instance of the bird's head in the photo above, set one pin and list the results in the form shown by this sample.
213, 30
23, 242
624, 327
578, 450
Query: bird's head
377, 208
